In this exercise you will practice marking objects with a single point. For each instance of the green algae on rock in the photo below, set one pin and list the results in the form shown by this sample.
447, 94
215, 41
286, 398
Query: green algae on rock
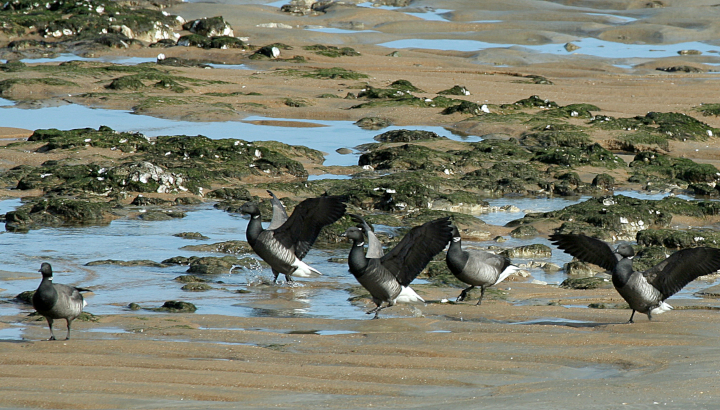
332, 51
684, 169
175, 306
56, 212
679, 239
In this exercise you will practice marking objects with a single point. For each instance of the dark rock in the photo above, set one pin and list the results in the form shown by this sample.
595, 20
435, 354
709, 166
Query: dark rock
235, 194
679, 239
134, 306
191, 235
406, 136
209, 27
528, 251
190, 279
524, 231
180, 260
578, 268
455, 90
183, 62
164, 43
409, 157
684, 169
162, 215
215, 265
373, 123
332, 51
141, 200
55, 212
229, 247
681, 69
194, 40
585, 283
25, 297
174, 306
604, 181
465, 107
196, 287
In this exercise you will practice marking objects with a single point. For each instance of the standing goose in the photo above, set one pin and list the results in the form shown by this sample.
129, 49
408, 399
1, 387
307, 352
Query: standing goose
387, 277
288, 240
56, 301
646, 291
476, 267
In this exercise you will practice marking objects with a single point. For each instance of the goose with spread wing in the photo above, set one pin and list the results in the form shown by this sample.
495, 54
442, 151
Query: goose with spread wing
287, 240
387, 276
57, 301
646, 291
475, 267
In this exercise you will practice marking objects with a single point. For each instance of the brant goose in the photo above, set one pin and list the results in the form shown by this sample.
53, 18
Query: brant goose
476, 267
288, 239
56, 301
387, 277
646, 291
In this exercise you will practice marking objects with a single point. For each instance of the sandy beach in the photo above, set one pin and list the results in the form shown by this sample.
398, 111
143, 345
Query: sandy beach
527, 346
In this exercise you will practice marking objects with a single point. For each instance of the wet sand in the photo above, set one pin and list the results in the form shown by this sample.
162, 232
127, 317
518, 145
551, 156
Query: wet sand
536, 347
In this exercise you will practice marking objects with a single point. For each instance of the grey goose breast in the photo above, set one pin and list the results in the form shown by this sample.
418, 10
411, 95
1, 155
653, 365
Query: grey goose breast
476, 267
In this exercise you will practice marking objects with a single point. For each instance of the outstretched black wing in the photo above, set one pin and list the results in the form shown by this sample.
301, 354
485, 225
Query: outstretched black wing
409, 257
587, 249
681, 268
302, 228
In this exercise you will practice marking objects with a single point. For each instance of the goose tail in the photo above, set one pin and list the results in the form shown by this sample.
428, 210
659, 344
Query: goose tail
303, 270
662, 308
507, 272
408, 295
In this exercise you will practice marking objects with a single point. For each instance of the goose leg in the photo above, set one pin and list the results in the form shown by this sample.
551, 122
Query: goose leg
68, 333
631, 317
463, 294
50, 323
482, 293
276, 273
288, 278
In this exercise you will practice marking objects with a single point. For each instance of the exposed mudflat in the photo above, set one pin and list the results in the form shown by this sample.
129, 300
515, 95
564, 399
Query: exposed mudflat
528, 346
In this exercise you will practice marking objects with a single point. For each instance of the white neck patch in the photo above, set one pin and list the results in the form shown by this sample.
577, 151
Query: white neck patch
255, 216
456, 239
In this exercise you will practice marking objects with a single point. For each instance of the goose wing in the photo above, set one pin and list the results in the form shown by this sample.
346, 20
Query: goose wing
279, 215
681, 268
375, 249
409, 257
587, 249
302, 228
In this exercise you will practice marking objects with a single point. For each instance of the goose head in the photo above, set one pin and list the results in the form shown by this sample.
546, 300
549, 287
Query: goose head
355, 234
625, 250
251, 208
46, 270
455, 232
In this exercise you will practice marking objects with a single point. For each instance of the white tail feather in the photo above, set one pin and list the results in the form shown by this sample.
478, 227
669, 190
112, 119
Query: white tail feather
407, 295
304, 270
664, 307
507, 272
